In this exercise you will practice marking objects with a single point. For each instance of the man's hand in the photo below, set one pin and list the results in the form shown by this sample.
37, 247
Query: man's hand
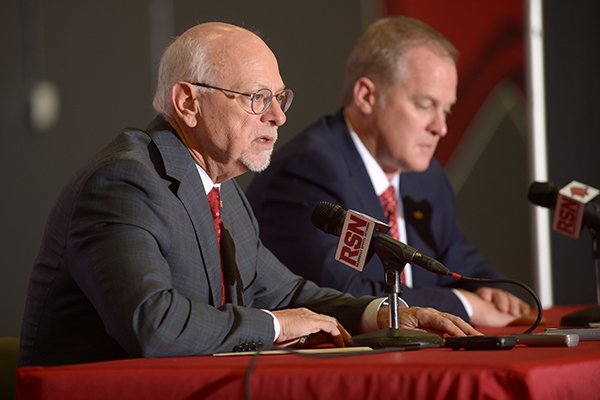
495, 307
427, 319
298, 322
504, 301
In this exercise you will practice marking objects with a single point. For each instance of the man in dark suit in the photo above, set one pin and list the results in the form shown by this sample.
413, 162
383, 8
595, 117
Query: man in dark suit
152, 249
399, 87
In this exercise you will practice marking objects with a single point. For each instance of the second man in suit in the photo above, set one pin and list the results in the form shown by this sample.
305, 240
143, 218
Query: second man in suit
400, 85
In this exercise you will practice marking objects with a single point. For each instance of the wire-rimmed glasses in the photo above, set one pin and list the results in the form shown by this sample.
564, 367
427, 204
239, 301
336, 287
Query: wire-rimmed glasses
259, 100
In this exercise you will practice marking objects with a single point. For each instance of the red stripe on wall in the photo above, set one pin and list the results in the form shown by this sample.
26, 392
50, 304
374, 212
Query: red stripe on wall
489, 36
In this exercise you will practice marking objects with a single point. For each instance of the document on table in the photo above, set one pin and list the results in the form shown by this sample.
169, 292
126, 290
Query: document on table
324, 350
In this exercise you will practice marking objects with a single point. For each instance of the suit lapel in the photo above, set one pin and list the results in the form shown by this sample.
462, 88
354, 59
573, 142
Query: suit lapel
233, 279
358, 177
180, 166
231, 272
418, 213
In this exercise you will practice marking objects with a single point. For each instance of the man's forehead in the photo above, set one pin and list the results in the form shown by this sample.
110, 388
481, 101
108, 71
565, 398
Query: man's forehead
251, 65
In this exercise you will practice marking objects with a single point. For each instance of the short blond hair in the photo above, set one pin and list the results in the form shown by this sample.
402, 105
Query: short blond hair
380, 52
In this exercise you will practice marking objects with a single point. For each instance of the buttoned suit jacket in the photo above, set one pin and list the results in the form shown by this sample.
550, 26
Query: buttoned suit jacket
130, 267
322, 164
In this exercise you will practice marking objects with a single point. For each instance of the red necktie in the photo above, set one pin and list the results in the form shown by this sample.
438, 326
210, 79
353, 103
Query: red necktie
390, 210
214, 200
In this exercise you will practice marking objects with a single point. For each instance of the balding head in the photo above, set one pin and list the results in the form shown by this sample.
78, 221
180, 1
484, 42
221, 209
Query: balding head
208, 52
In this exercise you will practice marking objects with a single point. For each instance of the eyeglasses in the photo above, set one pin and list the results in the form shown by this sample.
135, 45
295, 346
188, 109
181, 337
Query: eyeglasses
261, 99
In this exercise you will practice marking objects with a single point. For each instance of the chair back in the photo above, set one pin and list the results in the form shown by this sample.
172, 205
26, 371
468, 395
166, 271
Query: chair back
9, 355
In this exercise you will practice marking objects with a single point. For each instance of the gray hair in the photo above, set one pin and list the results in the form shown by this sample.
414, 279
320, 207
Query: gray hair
380, 52
186, 59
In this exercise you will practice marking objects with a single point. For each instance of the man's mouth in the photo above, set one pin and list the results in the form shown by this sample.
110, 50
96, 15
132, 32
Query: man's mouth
267, 138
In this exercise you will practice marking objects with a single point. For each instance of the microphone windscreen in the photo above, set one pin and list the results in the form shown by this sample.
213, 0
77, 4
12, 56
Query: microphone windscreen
543, 194
328, 217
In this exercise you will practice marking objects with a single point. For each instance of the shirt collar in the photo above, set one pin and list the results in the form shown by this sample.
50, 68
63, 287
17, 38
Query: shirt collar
206, 181
378, 178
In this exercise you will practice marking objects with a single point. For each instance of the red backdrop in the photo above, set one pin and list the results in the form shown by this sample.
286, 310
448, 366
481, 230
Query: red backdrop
489, 36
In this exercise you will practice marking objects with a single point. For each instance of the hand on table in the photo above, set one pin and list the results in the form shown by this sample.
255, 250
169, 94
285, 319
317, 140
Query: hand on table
495, 307
296, 323
428, 319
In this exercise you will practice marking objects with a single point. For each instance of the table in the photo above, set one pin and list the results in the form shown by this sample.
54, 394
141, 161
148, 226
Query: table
521, 373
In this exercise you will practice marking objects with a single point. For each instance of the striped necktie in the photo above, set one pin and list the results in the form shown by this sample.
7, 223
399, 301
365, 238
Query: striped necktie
214, 200
390, 210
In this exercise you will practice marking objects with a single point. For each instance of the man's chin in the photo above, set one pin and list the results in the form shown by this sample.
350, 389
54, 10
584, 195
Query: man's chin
258, 168
258, 165
414, 166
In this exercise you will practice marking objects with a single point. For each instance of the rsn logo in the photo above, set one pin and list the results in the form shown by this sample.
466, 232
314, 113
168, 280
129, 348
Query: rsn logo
570, 205
355, 238
567, 217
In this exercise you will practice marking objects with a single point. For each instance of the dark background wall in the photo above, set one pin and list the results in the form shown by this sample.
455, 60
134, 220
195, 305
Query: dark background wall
572, 49
101, 56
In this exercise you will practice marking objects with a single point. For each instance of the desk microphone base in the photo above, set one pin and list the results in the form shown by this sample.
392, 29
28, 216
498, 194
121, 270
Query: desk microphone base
400, 337
582, 317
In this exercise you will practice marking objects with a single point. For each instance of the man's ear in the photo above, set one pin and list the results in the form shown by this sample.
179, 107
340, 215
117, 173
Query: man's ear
184, 103
365, 94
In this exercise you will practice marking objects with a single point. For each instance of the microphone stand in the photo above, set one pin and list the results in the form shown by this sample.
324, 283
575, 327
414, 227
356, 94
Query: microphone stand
584, 317
394, 336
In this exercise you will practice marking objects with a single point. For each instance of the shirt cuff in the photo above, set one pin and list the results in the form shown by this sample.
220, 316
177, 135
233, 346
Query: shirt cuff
368, 321
276, 325
468, 307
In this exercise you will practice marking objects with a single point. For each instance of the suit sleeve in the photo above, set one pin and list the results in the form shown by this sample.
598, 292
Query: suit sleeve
449, 244
439, 235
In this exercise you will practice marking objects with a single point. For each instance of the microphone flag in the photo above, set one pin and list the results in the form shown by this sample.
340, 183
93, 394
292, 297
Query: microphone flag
355, 239
570, 206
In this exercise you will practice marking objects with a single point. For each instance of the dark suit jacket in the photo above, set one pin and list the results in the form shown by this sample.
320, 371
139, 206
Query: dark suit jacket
322, 163
129, 264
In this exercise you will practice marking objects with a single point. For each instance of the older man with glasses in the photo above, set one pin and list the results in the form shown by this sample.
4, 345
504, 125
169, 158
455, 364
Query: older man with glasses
152, 249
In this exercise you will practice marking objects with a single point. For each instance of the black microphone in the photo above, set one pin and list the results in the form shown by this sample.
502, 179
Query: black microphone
330, 218
545, 194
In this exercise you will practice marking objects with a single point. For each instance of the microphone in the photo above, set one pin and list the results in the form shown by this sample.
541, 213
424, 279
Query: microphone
366, 235
572, 206
330, 218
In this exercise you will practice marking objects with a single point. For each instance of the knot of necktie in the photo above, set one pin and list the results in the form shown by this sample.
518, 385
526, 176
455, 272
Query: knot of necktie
214, 200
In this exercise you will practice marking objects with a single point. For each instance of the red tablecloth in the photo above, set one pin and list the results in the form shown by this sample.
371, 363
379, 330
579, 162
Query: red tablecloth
520, 373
